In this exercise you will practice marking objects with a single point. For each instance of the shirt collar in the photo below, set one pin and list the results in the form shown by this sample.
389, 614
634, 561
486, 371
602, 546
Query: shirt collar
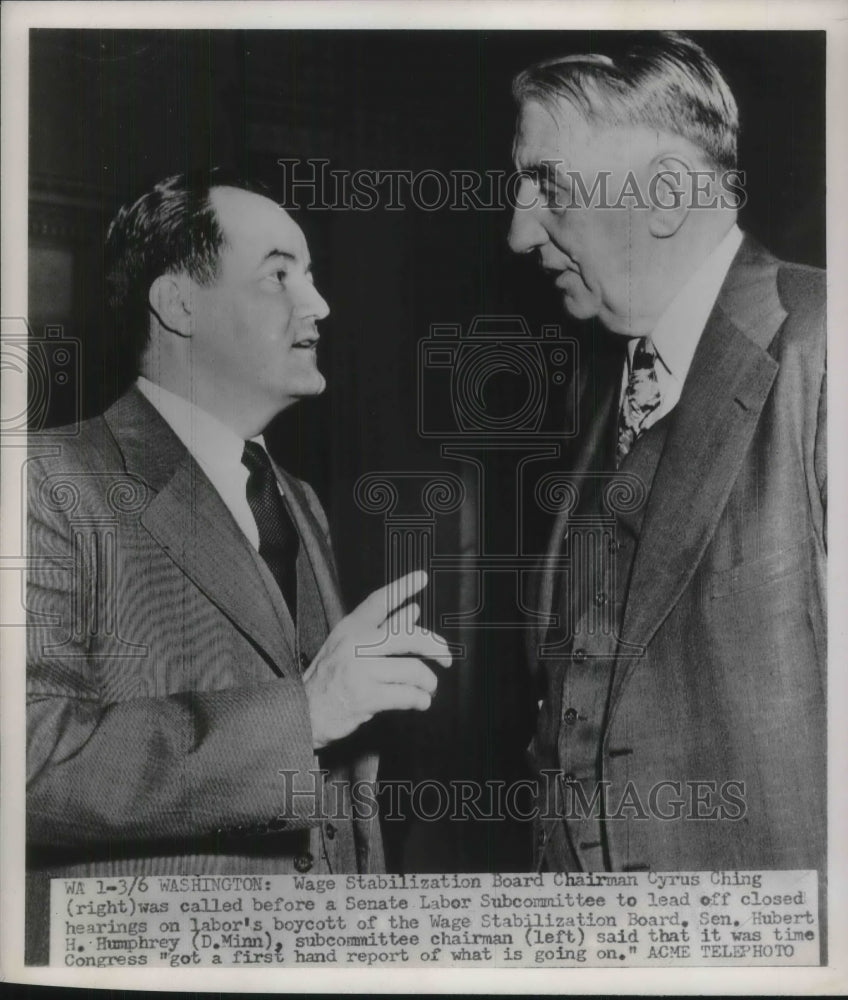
212, 444
676, 335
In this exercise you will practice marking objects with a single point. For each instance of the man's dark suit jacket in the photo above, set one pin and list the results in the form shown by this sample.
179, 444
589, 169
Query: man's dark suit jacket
715, 670
164, 684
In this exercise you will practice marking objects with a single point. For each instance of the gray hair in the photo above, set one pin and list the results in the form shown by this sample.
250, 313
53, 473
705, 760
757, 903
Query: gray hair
666, 82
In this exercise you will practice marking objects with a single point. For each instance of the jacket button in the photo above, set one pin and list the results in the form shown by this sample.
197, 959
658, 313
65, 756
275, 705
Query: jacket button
540, 838
600, 598
330, 830
613, 546
570, 716
569, 778
579, 655
304, 661
303, 862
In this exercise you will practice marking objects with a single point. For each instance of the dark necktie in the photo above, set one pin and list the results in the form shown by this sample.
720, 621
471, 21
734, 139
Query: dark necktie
641, 397
278, 537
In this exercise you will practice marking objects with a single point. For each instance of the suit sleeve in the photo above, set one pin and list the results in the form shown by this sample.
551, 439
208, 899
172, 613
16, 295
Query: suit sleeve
238, 760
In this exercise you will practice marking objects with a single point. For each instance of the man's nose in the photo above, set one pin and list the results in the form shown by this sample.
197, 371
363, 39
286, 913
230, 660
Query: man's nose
315, 305
526, 232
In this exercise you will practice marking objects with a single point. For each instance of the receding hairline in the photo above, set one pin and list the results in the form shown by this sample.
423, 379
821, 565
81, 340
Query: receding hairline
597, 124
272, 250
215, 205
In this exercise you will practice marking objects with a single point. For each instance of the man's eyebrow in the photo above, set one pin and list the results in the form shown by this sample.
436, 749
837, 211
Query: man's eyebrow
548, 170
553, 170
286, 255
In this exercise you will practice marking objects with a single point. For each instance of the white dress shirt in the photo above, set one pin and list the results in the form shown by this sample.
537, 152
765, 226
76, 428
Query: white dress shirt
215, 447
676, 335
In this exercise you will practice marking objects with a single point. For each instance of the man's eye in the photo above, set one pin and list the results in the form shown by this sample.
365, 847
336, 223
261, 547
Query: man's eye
278, 277
554, 196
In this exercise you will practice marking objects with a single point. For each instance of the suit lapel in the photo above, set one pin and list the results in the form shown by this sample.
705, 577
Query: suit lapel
709, 434
315, 545
188, 519
599, 388
317, 548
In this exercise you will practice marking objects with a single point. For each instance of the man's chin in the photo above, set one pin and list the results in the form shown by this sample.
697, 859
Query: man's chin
313, 386
579, 306
304, 389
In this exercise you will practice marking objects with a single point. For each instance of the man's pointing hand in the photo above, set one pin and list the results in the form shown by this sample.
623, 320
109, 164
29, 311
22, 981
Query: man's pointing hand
372, 662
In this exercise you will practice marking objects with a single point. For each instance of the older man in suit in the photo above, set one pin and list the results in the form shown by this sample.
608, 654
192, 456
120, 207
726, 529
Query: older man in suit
682, 724
190, 670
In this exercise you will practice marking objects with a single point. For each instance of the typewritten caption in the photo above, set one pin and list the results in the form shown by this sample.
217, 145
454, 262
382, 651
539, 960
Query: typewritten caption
357, 921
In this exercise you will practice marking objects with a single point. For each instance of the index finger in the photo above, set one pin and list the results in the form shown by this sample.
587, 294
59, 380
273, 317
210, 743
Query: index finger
377, 607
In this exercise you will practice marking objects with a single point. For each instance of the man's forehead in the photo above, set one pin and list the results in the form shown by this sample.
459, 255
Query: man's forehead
559, 135
546, 131
257, 225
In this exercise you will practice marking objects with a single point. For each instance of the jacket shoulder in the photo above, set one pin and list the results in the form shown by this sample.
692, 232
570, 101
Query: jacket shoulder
803, 295
85, 446
803, 290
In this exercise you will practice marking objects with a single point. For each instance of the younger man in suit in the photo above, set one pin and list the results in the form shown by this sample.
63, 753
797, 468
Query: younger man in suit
190, 669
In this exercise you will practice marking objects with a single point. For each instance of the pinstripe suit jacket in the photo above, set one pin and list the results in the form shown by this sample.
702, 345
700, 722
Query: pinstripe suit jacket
715, 670
164, 689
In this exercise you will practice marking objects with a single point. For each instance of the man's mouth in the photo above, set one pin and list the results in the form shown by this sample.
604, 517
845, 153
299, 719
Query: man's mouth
307, 343
561, 276
566, 274
555, 272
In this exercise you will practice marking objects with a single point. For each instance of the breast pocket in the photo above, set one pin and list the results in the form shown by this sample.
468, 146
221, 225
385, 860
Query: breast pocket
781, 565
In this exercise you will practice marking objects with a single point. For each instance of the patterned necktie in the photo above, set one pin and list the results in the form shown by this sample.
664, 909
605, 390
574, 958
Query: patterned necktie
278, 538
641, 397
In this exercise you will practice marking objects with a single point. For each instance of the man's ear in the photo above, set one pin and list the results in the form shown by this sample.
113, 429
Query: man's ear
669, 196
169, 299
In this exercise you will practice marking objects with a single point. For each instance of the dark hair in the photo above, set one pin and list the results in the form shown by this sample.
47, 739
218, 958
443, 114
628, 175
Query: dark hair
172, 228
662, 79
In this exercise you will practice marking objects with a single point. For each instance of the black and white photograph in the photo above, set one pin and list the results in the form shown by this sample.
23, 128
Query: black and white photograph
415, 490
